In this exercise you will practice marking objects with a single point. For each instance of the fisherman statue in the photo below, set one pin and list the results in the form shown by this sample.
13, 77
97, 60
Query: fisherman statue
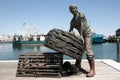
79, 22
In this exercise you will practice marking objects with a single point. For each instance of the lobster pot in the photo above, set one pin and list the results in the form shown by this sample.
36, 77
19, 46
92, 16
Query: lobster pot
65, 42
40, 65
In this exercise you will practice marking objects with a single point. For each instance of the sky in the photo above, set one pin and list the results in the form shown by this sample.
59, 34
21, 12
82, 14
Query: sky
17, 16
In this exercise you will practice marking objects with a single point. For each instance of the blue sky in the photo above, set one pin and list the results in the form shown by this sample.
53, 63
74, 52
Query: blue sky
44, 15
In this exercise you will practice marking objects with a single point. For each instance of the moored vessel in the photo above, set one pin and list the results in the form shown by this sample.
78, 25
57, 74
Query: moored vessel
19, 40
98, 38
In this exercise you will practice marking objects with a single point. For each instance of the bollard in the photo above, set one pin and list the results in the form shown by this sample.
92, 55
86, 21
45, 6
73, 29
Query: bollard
118, 49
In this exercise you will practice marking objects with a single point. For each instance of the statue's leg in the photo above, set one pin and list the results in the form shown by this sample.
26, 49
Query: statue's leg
92, 66
75, 68
90, 56
78, 62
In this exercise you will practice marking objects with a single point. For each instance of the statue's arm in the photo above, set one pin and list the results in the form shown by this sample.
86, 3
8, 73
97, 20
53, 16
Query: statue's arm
71, 26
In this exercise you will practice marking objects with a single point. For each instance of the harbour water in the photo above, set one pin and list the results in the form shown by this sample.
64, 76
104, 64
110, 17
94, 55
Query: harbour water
101, 51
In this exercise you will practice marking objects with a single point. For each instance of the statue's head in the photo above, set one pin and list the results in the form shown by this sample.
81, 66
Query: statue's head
73, 9
72, 6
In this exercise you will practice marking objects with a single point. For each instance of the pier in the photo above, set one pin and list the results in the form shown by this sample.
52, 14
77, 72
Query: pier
106, 69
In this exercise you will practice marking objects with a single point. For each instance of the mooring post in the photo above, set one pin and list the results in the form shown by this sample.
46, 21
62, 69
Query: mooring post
117, 48
117, 36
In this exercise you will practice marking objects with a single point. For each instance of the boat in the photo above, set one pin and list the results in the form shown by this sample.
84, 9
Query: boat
19, 40
31, 37
98, 38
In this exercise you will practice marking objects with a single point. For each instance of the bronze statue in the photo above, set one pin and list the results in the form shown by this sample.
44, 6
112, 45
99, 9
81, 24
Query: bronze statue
79, 22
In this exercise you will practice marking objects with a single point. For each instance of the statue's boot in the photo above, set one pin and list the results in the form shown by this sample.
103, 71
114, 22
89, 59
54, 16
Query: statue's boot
92, 67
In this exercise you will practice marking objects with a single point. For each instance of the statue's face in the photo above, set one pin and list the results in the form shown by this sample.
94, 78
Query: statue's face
73, 10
